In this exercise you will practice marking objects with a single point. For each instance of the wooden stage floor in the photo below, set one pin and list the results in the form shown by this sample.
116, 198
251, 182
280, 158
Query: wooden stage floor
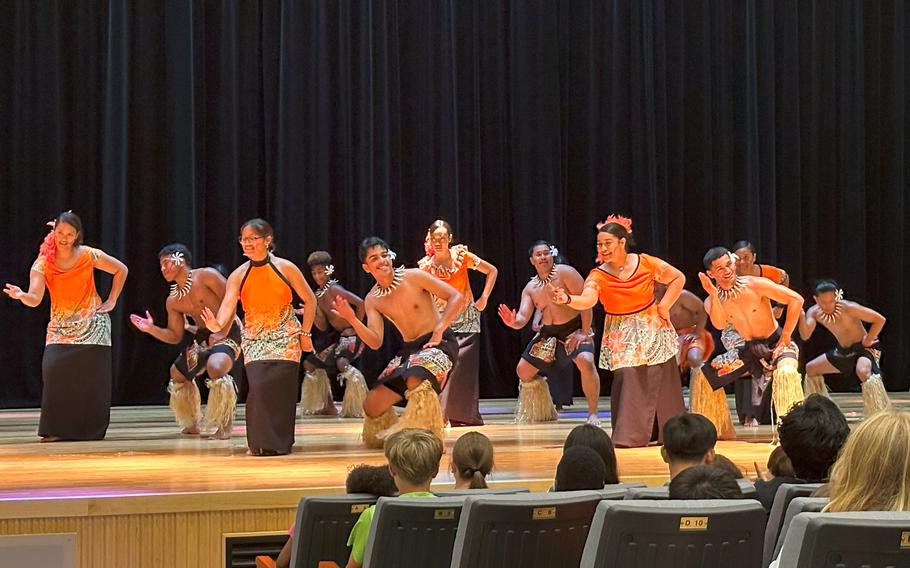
144, 455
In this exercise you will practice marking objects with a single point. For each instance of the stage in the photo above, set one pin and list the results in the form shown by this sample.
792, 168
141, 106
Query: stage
152, 497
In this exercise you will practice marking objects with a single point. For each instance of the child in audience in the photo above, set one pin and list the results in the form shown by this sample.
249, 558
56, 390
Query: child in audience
688, 441
369, 479
413, 455
580, 468
726, 463
812, 435
598, 440
705, 482
873, 470
472, 461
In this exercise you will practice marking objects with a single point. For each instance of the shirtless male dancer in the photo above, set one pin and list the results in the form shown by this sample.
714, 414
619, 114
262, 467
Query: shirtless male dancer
193, 289
566, 336
419, 371
768, 352
858, 350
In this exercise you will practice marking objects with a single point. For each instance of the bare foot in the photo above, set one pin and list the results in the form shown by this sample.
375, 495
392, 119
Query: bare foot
45, 439
220, 434
190, 431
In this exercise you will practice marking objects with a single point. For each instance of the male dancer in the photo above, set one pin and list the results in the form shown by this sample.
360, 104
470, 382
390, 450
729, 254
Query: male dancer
193, 289
336, 346
858, 351
768, 352
419, 371
565, 336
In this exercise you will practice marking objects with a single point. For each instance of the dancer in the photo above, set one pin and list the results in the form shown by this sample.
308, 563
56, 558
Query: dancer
639, 343
767, 352
336, 347
450, 264
419, 371
696, 346
76, 366
858, 350
746, 265
193, 289
565, 336
272, 338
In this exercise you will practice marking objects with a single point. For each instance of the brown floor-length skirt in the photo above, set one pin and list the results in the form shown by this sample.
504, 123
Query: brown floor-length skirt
271, 406
642, 399
76, 398
460, 397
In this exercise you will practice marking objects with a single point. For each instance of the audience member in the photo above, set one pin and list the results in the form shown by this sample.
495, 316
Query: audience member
413, 455
370, 479
472, 461
597, 439
688, 441
580, 468
811, 435
705, 482
873, 470
726, 463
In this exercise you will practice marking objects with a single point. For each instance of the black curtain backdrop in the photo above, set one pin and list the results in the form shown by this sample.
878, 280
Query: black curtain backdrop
782, 122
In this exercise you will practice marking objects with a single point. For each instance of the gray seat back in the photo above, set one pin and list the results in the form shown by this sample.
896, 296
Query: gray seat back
412, 533
322, 528
488, 491
536, 530
785, 493
711, 533
661, 493
847, 540
797, 506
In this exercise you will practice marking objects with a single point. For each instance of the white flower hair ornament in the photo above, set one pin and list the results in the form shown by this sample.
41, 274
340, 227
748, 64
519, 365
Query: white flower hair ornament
839, 295
177, 258
734, 258
554, 252
330, 270
392, 254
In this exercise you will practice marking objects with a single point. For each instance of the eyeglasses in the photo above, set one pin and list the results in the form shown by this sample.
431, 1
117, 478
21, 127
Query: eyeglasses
248, 240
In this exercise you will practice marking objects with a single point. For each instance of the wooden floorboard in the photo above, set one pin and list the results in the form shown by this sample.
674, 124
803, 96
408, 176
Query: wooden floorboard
144, 455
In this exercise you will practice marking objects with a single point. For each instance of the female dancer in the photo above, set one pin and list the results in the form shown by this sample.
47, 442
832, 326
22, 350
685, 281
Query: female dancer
76, 367
272, 339
450, 264
639, 343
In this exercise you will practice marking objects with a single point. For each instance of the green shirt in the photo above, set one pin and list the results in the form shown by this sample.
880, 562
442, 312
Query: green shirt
358, 539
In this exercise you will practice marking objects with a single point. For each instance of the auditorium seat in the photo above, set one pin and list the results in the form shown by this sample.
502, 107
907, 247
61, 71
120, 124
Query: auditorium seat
711, 533
536, 530
852, 540
413, 533
785, 493
323, 524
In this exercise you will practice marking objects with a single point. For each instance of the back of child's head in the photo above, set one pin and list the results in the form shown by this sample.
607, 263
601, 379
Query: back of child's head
779, 463
414, 455
726, 463
472, 457
689, 437
580, 468
371, 479
705, 482
598, 440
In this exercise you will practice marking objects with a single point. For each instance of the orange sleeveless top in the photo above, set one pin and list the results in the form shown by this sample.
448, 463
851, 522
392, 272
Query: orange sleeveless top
772, 273
74, 300
468, 320
271, 330
624, 297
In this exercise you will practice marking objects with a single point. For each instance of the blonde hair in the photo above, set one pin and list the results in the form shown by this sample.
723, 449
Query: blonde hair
414, 455
872, 472
473, 458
